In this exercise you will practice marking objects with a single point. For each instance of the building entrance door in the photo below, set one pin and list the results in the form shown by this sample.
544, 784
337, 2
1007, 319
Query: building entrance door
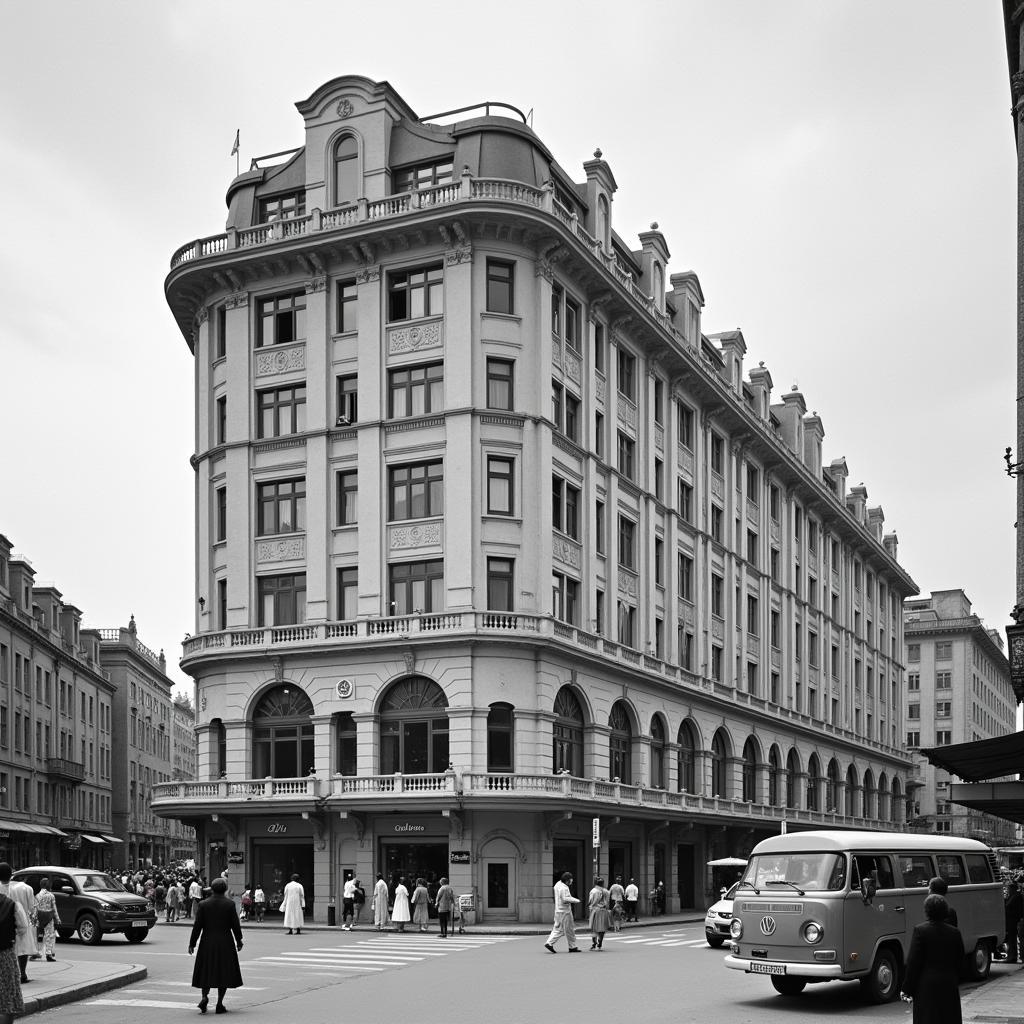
567, 855
428, 861
620, 862
500, 885
273, 865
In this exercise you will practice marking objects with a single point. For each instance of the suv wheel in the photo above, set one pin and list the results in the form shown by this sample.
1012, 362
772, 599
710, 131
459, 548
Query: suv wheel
89, 930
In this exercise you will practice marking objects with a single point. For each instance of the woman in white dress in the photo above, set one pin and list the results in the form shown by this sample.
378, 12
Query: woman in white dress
380, 903
401, 912
292, 905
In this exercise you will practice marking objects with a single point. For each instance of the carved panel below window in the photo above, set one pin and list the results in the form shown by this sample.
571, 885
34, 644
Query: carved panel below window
426, 537
627, 583
284, 550
566, 551
280, 360
416, 338
627, 413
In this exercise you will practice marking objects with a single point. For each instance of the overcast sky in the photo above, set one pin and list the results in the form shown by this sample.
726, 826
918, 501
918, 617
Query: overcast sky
840, 175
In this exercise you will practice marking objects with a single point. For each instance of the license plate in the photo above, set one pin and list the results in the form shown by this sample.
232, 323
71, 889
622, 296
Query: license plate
140, 924
767, 968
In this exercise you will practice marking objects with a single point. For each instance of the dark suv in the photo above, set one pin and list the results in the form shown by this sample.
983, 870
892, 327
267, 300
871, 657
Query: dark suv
93, 903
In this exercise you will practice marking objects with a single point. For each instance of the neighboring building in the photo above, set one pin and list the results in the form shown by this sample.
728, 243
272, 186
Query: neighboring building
146, 748
493, 541
55, 727
182, 837
958, 690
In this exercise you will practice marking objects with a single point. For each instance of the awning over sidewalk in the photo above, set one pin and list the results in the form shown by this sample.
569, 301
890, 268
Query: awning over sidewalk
25, 826
981, 759
1003, 799
93, 839
110, 839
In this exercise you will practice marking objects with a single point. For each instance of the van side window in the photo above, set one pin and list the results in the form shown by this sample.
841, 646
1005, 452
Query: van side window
951, 868
870, 865
916, 870
978, 868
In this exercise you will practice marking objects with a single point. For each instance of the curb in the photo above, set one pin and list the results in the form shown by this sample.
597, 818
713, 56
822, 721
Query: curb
74, 993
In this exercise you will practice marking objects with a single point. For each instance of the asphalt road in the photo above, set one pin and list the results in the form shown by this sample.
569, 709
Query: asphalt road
646, 976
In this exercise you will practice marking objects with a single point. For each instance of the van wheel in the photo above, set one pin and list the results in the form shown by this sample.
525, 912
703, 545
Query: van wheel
89, 930
882, 984
979, 961
787, 986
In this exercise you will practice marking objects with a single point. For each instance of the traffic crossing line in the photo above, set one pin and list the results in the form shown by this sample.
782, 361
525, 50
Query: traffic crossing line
674, 938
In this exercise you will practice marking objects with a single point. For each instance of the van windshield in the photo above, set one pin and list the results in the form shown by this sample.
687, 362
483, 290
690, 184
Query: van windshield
806, 871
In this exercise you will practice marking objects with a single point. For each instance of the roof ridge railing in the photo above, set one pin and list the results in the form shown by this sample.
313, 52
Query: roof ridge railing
254, 164
485, 104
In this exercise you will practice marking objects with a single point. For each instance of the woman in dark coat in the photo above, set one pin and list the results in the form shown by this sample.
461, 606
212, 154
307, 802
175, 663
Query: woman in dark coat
933, 967
217, 960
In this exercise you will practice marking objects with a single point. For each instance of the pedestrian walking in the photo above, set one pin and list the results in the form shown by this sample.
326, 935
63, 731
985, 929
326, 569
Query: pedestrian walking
47, 921
259, 901
1013, 906
173, 902
358, 900
219, 935
445, 902
936, 953
400, 915
600, 918
632, 895
246, 903
564, 924
617, 899
14, 926
380, 903
348, 905
22, 894
195, 894
420, 904
292, 905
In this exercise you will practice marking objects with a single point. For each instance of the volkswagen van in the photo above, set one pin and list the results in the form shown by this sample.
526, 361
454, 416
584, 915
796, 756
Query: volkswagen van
842, 906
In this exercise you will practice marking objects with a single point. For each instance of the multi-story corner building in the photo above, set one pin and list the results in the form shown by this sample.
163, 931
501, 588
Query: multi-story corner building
55, 727
958, 690
146, 743
499, 555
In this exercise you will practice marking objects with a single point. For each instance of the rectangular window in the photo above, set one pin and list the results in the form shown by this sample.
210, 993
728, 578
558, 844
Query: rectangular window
914, 738
565, 593
775, 627
500, 384
499, 585
599, 348
627, 543
752, 548
812, 648
565, 502
599, 527
281, 411
220, 344
659, 479
753, 484
415, 293
222, 604
281, 599
221, 416
425, 175
913, 681
659, 401
716, 524
913, 652
685, 501
599, 435
753, 616
348, 400
716, 663
685, 573
416, 491
599, 612
943, 680
415, 390
281, 319
717, 592
659, 562
348, 307
500, 486
626, 449
684, 422
280, 507
943, 709
416, 587
627, 374
565, 412
287, 206
348, 498
221, 528
914, 711
717, 454
627, 624
686, 651
752, 686
500, 286
944, 650
943, 738
573, 322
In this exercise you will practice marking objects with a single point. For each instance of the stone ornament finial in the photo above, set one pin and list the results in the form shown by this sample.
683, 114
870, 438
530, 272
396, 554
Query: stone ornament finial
597, 154
654, 225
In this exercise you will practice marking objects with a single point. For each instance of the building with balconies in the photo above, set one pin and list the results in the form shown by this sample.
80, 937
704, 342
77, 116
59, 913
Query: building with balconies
505, 567
958, 691
145, 744
55, 726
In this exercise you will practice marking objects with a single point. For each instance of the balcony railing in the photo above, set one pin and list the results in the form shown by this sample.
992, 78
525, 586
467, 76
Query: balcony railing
220, 790
61, 768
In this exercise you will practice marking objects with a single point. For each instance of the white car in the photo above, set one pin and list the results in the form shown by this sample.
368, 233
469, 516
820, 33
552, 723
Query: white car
716, 924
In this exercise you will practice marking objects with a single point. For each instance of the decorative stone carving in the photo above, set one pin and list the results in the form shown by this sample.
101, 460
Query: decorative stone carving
461, 255
659, 437
566, 551
627, 583
423, 535
601, 390
409, 657
345, 108
717, 628
571, 365
544, 268
237, 300
368, 274
281, 360
687, 613
773, 529
626, 413
717, 486
316, 284
413, 339
202, 315
685, 458
281, 550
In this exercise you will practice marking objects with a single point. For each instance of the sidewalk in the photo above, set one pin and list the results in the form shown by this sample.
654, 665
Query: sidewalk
66, 981
1000, 1000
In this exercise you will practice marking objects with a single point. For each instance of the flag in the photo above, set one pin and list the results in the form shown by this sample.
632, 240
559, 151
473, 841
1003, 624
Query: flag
234, 148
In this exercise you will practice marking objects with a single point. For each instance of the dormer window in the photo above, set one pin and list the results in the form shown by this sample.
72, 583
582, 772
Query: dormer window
346, 170
283, 207
438, 172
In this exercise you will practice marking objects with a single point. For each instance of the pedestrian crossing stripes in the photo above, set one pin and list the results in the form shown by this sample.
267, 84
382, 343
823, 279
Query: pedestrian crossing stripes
663, 939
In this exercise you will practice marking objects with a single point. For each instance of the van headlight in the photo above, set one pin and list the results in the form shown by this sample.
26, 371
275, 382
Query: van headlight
736, 929
812, 932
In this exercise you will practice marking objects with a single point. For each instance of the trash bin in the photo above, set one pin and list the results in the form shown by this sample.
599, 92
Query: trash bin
332, 915
467, 912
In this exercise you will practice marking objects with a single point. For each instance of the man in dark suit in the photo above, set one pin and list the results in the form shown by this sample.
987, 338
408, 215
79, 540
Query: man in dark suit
933, 967
217, 960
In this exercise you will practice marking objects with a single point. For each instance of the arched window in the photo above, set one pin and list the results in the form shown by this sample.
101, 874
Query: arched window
896, 808
282, 734
499, 738
567, 734
657, 753
687, 773
832, 796
869, 794
620, 744
851, 791
792, 777
345, 739
750, 770
720, 766
346, 170
813, 783
774, 773
882, 800
414, 728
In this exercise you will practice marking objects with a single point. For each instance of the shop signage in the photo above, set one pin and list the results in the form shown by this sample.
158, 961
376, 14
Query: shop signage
275, 828
236, 857
409, 827
460, 857
597, 832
